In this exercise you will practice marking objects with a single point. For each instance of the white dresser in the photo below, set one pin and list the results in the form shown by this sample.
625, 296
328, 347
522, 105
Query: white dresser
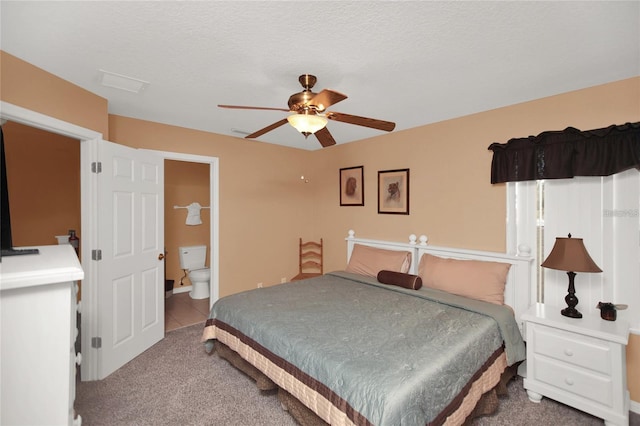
37, 337
579, 362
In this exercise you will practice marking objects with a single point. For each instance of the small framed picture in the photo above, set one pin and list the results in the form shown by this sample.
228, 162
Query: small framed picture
352, 186
393, 191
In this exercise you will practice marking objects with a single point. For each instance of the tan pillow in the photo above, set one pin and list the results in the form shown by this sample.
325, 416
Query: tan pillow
366, 260
412, 282
475, 279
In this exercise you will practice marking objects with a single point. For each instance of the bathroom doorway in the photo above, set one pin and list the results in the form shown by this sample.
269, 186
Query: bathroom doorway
189, 179
186, 195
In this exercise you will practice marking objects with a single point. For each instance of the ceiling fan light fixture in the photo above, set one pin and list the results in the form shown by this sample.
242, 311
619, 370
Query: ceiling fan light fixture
307, 124
308, 114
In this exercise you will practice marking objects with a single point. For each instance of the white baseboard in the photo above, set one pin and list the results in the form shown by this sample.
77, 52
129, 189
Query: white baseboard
182, 289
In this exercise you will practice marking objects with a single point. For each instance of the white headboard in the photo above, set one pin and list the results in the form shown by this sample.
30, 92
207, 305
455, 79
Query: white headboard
519, 292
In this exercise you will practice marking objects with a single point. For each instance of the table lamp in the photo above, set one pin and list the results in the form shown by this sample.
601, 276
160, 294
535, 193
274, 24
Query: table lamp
569, 254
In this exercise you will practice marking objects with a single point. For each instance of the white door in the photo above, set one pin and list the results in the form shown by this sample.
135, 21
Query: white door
131, 238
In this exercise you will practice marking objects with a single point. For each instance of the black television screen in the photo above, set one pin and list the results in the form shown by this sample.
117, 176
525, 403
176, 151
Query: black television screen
5, 238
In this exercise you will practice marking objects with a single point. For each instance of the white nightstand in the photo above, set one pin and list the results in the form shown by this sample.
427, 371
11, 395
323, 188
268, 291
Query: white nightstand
579, 362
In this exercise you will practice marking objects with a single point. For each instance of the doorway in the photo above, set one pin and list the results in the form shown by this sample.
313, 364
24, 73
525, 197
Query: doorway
187, 223
193, 311
43, 171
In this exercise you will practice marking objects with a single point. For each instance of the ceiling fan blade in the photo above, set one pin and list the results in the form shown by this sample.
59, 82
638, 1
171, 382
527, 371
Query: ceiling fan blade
387, 126
252, 107
326, 98
267, 129
324, 137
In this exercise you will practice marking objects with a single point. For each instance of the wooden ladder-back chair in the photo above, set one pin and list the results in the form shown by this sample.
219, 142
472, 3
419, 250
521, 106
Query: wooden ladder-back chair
310, 260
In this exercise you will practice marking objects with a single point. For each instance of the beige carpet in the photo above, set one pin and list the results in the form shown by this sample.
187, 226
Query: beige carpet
176, 383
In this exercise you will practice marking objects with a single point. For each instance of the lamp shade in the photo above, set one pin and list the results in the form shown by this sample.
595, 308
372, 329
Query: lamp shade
307, 123
570, 254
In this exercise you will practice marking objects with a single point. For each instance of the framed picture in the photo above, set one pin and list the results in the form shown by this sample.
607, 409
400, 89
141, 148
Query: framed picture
352, 186
393, 191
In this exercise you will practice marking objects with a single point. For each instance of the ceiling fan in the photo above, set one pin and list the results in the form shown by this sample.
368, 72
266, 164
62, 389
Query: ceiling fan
309, 114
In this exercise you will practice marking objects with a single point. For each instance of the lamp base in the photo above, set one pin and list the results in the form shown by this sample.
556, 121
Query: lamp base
571, 312
571, 299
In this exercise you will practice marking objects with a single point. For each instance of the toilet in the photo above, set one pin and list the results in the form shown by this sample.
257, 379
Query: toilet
192, 259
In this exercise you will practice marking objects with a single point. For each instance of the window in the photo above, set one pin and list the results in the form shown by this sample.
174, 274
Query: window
601, 210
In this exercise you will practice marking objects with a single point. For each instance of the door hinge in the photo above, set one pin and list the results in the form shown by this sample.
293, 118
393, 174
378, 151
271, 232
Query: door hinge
96, 167
96, 342
96, 254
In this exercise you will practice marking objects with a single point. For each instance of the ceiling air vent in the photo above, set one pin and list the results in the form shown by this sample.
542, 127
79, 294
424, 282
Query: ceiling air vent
122, 82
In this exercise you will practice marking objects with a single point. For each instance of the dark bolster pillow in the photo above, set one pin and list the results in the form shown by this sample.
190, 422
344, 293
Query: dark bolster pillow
412, 282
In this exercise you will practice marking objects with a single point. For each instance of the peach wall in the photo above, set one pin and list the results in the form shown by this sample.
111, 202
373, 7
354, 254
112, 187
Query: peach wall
184, 183
32, 88
451, 198
264, 207
43, 171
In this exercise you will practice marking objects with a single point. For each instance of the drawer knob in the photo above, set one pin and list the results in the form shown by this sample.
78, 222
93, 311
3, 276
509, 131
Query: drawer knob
568, 352
569, 381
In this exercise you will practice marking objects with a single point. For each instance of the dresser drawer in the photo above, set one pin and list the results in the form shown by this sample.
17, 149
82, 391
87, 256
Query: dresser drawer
574, 349
577, 381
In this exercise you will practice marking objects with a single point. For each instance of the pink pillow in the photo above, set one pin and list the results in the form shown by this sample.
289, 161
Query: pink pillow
469, 278
366, 260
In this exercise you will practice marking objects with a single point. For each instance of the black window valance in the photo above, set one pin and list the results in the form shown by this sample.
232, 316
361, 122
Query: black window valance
567, 153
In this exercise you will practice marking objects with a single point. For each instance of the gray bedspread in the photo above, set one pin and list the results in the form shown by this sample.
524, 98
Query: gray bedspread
396, 356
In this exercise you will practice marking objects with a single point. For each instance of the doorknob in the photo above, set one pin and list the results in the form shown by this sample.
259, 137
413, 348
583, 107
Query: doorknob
160, 256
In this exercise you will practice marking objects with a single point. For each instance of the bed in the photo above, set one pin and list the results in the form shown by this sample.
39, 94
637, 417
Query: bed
397, 338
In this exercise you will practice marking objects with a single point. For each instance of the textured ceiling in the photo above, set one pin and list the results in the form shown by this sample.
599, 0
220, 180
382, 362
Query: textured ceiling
411, 62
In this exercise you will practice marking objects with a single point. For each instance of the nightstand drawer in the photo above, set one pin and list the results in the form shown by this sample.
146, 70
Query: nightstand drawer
577, 381
576, 350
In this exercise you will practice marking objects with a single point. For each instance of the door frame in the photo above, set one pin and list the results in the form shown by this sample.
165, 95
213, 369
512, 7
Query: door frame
214, 168
88, 219
89, 140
